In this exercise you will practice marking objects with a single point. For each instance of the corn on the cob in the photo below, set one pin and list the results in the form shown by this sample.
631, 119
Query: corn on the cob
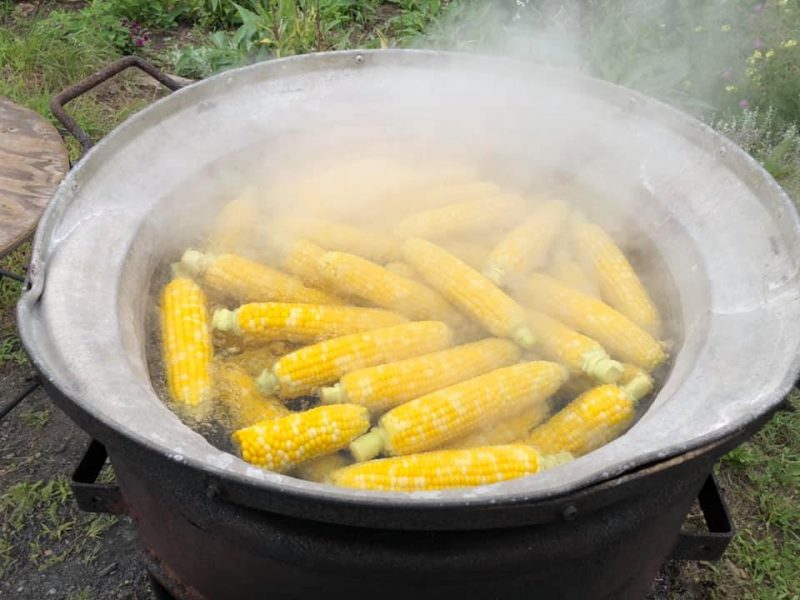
577, 352
629, 371
342, 238
237, 391
400, 268
304, 370
385, 386
283, 443
615, 332
461, 217
526, 247
619, 284
301, 323
320, 469
234, 230
511, 430
301, 258
255, 360
571, 273
237, 277
471, 253
186, 342
594, 418
357, 276
446, 414
446, 469
470, 291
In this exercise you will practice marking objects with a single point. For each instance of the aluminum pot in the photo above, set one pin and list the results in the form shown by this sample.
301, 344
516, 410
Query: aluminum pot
720, 231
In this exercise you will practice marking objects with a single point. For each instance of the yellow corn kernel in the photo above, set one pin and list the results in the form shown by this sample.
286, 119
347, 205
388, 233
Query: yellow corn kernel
471, 253
342, 238
594, 418
238, 393
357, 276
446, 469
615, 332
385, 386
320, 469
461, 217
469, 291
235, 229
571, 273
400, 268
255, 360
304, 370
577, 352
236, 277
186, 342
619, 284
284, 443
439, 417
301, 258
301, 323
511, 430
526, 247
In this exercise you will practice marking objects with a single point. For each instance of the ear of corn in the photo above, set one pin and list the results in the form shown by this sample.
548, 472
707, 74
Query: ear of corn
234, 229
186, 343
301, 258
343, 238
446, 469
357, 276
400, 268
615, 332
594, 418
619, 284
577, 352
283, 443
470, 291
470, 253
526, 247
301, 323
446, 414
571, 273
385, 386
507, 431
237, 392
233, 276
461, 217
303, 371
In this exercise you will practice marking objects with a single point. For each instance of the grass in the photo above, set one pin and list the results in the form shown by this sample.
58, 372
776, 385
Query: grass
36, 419
699, 56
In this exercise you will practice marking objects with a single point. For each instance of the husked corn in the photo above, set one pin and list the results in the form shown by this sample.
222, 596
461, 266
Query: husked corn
384, 386
237, 391
186, 342
444, 415
320, 469
446, 469
619, 284
284, 443
513, 429
305, 370
342, 238
301, 323
234, 230
470, 291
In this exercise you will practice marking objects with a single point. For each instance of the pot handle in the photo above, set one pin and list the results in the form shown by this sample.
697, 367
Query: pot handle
90, 495
92, 81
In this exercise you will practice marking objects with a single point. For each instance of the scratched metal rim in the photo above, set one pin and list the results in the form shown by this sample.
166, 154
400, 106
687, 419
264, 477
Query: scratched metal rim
70, 337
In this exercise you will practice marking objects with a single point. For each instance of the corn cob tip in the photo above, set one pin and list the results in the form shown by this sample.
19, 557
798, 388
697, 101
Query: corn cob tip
495, 274
334, 394
551, 461
195, 262
598, 364
524, 337
639, 386
267, 383
225, 320
369, 445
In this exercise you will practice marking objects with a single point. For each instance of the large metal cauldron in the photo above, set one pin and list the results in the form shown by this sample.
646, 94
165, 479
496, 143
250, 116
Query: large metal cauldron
725, 235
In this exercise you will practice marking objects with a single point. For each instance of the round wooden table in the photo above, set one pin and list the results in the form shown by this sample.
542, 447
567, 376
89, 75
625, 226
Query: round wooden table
33, 159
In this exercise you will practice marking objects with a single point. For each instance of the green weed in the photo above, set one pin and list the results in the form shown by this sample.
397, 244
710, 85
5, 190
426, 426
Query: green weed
84, 594
96, 527
35, 419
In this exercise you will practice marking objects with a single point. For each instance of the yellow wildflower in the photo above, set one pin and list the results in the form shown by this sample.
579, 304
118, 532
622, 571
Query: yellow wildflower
730, 88
726, 28
770, 53
789, 44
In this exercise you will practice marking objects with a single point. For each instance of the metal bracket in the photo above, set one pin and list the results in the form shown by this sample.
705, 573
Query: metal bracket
90, 495
92, 81
711, 544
